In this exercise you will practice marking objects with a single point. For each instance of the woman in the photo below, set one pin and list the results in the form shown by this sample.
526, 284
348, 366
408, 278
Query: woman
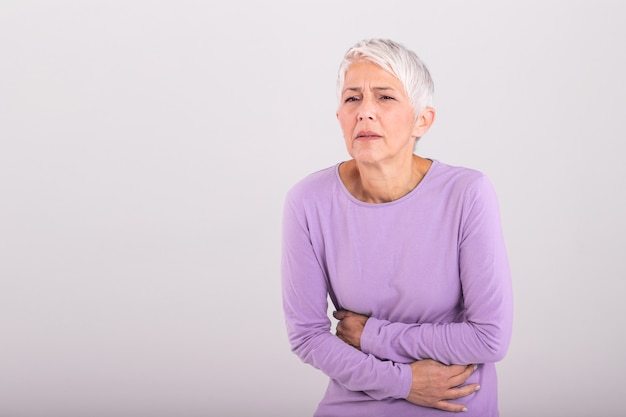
409, 250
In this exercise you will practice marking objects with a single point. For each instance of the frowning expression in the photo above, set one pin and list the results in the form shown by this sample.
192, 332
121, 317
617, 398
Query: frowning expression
376, 116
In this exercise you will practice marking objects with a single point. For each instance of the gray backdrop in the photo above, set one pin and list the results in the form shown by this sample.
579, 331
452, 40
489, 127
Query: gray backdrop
146, 147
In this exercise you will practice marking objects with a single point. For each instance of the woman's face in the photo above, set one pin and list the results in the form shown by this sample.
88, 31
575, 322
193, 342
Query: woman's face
376, 117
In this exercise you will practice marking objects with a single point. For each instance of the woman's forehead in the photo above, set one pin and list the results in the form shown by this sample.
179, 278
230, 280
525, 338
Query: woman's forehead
371, 74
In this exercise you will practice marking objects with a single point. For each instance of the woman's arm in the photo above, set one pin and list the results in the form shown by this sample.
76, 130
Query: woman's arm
484, 332
305, 292
426, 383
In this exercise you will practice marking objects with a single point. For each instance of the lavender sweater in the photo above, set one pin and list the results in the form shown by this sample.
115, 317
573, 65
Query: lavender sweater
430, 270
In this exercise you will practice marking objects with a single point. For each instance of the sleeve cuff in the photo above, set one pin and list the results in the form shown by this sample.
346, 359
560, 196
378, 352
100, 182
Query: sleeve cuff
369, 337
406, 378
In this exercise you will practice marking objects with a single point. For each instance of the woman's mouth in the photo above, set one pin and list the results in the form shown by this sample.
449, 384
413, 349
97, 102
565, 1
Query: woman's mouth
367, 135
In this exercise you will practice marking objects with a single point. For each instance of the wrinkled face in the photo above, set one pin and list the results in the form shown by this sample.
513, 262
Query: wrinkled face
376, 116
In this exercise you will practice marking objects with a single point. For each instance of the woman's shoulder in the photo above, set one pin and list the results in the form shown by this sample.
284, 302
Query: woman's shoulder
455, 173
314, 184
459, 179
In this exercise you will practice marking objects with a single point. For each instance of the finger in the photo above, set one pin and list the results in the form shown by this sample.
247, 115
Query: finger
344, 339
340, 314
455, 370
460, 392
448, 406
459, 379
456, 393
340, 329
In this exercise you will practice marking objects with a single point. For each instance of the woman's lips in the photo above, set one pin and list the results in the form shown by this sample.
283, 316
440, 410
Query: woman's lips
367, 135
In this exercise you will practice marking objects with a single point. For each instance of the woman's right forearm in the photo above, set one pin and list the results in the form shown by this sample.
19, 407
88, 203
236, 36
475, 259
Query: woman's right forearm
353, 369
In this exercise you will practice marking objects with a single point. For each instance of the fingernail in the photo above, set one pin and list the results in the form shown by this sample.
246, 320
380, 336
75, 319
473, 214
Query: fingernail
464, 409
477, 388
475, 367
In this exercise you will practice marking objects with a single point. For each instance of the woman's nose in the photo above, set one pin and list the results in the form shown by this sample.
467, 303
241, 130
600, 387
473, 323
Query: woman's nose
367, 110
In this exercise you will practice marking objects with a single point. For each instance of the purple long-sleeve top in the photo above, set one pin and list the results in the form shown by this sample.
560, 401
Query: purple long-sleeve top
429, 269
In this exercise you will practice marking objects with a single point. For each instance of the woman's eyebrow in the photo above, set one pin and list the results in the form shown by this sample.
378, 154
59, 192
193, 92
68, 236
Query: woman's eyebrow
358, 89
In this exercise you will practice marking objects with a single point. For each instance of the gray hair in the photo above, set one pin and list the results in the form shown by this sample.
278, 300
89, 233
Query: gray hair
401, 62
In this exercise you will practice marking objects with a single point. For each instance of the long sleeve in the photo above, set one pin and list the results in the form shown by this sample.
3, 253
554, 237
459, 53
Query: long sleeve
305, 292
483, 331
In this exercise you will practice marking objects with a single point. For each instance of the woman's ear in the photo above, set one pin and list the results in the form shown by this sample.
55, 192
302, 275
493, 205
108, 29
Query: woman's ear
424, 121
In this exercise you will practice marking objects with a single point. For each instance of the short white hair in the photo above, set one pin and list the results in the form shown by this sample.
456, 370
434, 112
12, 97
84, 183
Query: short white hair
401, 62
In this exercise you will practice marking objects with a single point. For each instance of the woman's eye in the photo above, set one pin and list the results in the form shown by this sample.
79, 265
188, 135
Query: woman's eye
386, 98
351, 99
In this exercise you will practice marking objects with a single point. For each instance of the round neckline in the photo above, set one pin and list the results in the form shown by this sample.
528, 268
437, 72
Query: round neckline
407, 196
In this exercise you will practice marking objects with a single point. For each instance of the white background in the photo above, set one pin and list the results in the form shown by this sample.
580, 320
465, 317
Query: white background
146, 148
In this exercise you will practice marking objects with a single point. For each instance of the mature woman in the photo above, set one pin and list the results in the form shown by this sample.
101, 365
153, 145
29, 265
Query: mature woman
409, 250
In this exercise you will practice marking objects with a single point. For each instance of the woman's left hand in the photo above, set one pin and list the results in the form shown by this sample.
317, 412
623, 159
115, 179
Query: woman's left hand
350, 327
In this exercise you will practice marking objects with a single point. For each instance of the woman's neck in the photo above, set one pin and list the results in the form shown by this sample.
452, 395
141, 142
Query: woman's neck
379, 183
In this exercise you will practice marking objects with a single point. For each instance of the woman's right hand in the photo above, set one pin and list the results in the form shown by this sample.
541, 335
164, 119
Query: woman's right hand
435, 383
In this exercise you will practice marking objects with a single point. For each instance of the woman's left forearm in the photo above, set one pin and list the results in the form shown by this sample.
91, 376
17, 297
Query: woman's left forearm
449, 343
